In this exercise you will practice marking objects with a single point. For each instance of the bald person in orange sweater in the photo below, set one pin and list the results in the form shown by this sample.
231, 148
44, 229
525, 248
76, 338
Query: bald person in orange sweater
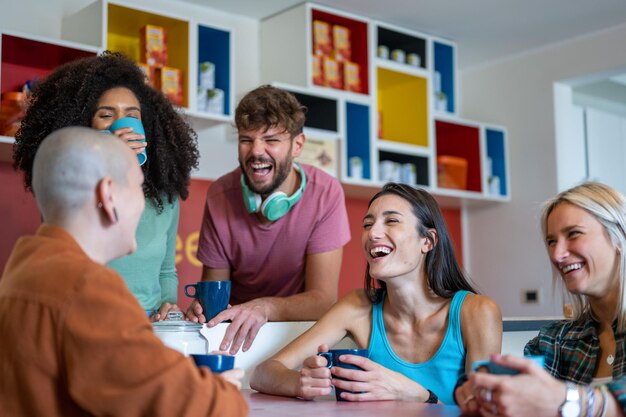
75, 342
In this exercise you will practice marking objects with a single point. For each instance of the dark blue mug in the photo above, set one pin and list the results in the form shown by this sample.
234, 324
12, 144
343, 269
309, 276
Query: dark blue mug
217, 363
332, 356
212, 295
137, 128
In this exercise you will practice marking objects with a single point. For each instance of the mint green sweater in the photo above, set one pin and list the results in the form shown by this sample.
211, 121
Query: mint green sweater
150, 272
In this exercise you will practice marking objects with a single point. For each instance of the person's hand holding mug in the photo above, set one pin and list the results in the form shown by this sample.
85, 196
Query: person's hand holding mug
130, 129
221, 364
532, 392
315, 376
210, 298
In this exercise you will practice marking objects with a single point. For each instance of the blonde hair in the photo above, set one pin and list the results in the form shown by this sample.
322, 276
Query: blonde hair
608, 206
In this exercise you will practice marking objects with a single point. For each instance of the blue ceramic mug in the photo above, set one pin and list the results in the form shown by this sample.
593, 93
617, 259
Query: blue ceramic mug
217, 363
212, 295
332, 356
494, 368
137, 128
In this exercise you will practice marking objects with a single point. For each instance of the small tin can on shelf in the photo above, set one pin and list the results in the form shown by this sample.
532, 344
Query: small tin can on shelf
383, 52
398, 55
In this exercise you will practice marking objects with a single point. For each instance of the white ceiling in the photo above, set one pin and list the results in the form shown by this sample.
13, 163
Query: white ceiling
484, 30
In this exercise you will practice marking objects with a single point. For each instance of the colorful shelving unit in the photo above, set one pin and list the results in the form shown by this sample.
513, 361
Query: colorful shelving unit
405, 126
115, 26
29, 58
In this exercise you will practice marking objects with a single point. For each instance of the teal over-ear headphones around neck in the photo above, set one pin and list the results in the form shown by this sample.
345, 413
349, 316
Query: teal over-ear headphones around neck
277, 204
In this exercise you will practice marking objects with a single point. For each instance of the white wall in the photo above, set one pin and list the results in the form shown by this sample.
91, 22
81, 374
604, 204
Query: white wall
217, 145
504, 242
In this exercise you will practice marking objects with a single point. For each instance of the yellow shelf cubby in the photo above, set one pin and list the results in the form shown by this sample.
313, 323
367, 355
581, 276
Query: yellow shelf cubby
124, 24
403, 107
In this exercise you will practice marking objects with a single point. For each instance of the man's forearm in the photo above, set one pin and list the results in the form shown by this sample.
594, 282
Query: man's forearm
306, 306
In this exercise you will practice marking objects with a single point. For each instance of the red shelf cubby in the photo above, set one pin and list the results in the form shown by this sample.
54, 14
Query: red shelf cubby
463, 141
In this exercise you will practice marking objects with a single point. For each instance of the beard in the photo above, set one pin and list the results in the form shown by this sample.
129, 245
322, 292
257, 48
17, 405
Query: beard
282, 171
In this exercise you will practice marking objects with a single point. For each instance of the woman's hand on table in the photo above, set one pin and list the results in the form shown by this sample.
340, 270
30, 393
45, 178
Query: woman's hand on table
466, 399
161, 313
234, 376
374, 382
315, 376
534, 392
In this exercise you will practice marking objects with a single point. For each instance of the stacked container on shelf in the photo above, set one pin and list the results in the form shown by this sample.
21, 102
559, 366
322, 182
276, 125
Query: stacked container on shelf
192, 60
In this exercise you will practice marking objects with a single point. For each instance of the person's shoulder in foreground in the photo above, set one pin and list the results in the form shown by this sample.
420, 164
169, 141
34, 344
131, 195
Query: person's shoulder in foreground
80, 342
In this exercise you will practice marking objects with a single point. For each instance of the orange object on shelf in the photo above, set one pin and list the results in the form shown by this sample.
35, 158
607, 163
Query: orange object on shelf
318, 73
12, 111
170, 82
351, 76
341, 43
153, 44
322, 43
148, 72
452, 172
332, 73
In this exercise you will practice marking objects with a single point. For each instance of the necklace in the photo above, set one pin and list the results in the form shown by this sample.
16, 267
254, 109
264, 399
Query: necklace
610, 359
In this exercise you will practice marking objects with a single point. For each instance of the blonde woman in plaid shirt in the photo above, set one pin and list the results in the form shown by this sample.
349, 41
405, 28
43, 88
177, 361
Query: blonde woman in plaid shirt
585, 234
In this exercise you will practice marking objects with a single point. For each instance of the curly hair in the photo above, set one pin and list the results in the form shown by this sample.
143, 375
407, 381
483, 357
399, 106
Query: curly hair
267, 106
69, 96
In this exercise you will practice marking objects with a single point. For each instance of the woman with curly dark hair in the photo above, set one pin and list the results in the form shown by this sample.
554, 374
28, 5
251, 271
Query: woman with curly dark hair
95, 92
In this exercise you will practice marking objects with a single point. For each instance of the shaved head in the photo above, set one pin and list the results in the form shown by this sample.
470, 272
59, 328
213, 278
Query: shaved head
70, 163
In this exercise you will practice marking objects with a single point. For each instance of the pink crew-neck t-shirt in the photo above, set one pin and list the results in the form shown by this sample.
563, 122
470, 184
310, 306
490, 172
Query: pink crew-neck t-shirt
269, 260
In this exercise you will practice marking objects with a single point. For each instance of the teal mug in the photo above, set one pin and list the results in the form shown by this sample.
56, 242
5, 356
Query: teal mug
137, 128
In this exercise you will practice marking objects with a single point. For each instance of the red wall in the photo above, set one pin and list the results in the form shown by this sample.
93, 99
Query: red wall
19, 215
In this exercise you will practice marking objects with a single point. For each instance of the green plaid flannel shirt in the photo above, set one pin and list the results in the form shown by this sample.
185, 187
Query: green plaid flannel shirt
571, 349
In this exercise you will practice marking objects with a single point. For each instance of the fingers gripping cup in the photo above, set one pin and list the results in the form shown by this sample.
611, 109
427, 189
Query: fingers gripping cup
332, 356
212, 295
137, 128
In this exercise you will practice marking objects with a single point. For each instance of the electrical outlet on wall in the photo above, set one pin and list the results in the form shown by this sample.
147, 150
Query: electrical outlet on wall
531, 296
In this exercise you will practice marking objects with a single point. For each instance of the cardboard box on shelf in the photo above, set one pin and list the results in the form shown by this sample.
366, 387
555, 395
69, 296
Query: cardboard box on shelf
153, 45
148, 72
318, 73
332, 73
351, 76
322, 42
170, 82
341, 43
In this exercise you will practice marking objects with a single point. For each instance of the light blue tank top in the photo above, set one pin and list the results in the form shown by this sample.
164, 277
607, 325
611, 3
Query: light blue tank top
438, 374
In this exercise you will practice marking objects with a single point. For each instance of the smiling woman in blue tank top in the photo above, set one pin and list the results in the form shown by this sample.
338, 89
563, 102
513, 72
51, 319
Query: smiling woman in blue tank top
420, 319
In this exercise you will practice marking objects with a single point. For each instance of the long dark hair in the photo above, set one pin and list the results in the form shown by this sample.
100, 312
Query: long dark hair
444, 274
69, 96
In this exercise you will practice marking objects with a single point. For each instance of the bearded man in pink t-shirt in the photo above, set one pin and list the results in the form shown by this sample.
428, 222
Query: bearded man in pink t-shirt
274, 228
